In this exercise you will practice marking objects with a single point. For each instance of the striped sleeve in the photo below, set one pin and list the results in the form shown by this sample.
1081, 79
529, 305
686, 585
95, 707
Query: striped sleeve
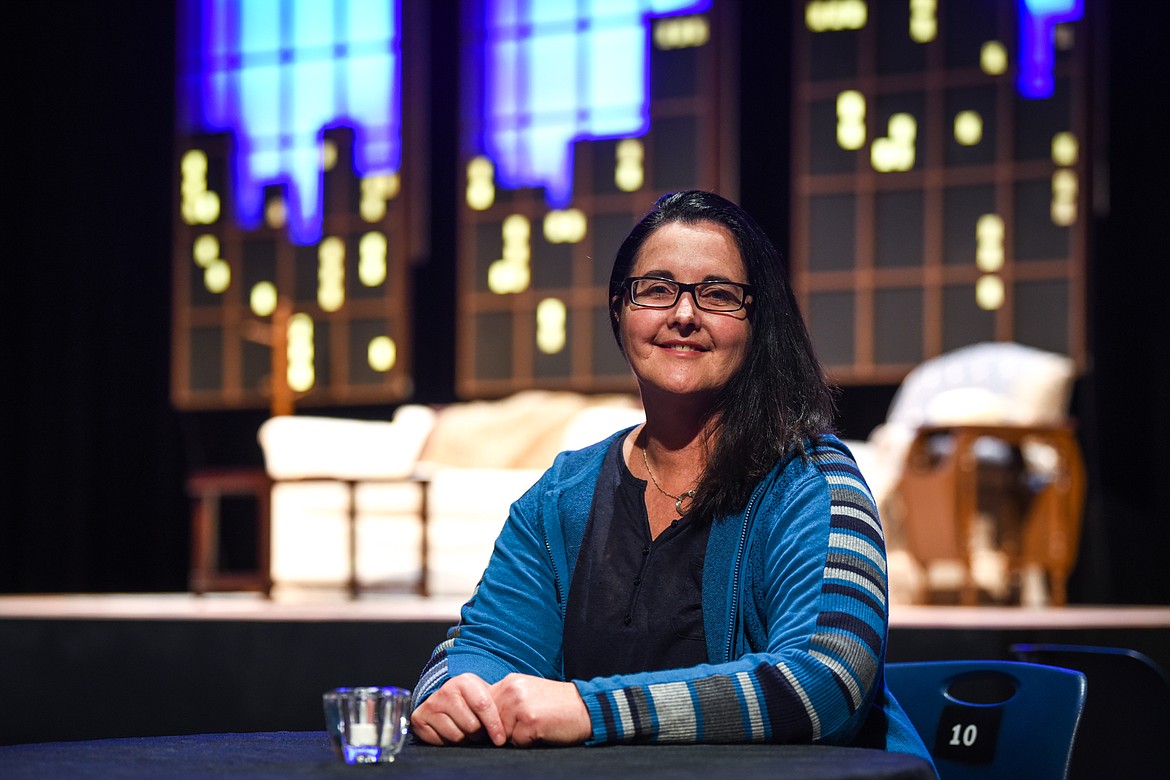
435, 672
812, 690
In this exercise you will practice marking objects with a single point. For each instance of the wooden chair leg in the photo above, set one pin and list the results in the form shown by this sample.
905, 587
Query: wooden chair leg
207, 488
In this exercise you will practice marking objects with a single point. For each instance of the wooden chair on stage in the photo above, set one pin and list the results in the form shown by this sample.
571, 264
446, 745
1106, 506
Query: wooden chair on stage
1036, 521
985, 483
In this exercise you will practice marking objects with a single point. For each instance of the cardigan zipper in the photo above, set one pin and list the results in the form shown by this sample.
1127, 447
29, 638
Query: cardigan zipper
556, 575
739, 553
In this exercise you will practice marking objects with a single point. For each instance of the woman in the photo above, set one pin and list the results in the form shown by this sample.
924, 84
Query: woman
715, 574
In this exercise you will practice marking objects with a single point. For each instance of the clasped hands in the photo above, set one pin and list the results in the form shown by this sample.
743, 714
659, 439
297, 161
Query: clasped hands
520, 709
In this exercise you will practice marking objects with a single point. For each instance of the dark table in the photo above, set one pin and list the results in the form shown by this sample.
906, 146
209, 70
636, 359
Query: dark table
308, 754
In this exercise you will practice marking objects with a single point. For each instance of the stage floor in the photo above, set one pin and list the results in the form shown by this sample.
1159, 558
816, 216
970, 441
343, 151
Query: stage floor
230, 606
379, 607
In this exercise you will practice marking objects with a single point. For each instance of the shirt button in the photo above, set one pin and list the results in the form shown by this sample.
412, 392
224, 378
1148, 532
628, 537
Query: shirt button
674, 523
627, 620
645, 550
637, 580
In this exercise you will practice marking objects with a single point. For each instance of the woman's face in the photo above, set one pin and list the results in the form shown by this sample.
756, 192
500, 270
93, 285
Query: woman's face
685, 350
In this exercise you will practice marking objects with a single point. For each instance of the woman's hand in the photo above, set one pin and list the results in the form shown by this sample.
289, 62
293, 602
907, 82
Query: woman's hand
462, 710
520, 709
539, 711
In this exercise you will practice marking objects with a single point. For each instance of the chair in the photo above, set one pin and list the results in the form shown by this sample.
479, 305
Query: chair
209, 490
979, 475
1035, 521
1123, 731
985, 719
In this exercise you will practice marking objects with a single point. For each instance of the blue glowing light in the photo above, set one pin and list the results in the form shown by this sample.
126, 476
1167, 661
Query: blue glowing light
277, 74
1037, 18
556, 72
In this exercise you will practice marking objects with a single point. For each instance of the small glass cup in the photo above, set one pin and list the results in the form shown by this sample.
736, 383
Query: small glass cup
366, 725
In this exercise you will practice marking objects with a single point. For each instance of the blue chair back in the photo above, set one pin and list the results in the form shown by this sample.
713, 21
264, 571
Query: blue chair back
1125, 728
984, 719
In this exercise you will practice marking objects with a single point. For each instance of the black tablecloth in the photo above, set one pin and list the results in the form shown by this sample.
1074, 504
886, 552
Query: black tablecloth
308, 754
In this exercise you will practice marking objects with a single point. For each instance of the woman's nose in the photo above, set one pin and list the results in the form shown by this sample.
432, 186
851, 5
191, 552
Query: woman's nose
685, 308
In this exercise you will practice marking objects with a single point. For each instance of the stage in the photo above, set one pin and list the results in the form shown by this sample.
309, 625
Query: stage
95, 666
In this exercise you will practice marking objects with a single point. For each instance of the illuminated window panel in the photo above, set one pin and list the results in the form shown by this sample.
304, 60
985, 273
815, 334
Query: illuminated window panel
962, 209
938, 193
831, 122
1037, 121
1043, 240
1040, 40
370, 353
553, 73
292, 232
276, 74
901, 128
576, 118
551, 360
971, 116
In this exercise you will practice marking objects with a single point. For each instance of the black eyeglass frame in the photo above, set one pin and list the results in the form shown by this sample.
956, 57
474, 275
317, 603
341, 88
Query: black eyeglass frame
626, 286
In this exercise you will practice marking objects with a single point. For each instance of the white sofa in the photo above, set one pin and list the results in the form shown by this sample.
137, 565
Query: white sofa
472, 460
319, 466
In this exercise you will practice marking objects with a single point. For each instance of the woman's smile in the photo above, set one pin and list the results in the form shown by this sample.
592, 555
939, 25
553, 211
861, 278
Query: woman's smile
683, 347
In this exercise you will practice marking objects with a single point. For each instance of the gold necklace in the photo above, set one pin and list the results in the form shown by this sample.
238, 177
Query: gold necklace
678, 500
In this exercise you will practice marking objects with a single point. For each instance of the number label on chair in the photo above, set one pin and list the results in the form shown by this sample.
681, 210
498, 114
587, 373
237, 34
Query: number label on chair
967, 735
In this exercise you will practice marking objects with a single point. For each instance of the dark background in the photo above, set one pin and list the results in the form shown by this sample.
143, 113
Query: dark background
94, 454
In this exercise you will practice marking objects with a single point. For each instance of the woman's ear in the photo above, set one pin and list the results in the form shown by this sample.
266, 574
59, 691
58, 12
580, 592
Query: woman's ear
615, 309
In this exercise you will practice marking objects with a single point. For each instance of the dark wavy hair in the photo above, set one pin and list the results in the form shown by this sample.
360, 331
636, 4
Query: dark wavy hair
779, 401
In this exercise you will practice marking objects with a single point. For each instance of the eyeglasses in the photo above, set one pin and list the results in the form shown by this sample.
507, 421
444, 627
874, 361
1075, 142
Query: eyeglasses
654, 293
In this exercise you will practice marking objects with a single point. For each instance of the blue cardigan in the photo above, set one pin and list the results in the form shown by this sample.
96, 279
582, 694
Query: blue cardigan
794, 610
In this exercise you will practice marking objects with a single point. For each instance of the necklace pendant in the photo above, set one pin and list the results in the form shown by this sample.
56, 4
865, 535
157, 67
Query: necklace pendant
678, 500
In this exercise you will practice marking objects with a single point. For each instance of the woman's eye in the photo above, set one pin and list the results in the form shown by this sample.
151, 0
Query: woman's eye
721, 294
